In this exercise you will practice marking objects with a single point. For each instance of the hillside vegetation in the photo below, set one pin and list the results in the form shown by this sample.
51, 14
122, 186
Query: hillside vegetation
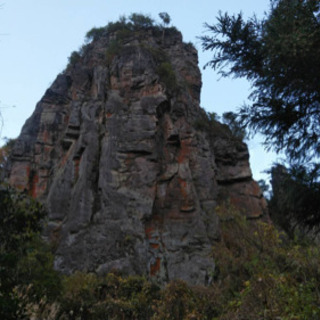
260, 274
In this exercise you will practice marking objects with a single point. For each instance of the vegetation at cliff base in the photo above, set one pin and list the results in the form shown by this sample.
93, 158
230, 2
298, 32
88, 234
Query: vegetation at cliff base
4, 156
260, 274
295, 203
26, 264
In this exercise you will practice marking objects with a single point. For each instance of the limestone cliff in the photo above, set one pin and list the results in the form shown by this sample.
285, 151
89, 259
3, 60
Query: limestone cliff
130, 179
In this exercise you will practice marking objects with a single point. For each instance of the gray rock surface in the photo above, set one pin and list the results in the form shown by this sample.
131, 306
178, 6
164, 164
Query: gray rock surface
129, 181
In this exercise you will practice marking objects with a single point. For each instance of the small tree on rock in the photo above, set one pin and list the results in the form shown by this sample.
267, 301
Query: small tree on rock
165, 19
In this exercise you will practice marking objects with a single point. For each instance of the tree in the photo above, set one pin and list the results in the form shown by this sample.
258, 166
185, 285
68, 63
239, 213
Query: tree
18, 226
279, 55
4, 157
25, 260
230, 119
141, 21
295, 203
165, 22
165, 18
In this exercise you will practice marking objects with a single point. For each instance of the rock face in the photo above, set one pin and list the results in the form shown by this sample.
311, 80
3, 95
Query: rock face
130, 180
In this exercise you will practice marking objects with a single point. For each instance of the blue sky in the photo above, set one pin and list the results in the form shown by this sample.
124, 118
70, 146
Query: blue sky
37, 36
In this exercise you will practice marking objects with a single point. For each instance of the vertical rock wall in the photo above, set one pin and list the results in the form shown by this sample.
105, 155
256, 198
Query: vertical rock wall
129, 182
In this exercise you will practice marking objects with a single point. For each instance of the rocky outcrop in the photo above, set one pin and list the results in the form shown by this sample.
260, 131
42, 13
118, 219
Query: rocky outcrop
129, 181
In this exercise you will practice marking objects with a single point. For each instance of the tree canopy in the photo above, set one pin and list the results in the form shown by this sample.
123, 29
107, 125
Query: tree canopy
25, 260
279, 55
295, 202
165, 18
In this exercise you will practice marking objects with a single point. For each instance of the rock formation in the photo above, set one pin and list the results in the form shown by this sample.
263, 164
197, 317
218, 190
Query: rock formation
118, 150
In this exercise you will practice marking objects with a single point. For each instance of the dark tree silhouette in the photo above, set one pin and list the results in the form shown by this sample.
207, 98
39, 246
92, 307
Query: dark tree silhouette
279, 55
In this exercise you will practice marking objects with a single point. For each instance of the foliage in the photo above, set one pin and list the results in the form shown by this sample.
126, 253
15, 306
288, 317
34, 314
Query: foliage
264, 187
112, 297
24, 263
167, 75
95, 34
20, 216
135, 22
165, 18
295, 204
4, 156
120, 31
261, 274
279, 55
87, 296
230, 129
74, 58
139, 20
230, 119
180, 301
36, 273
213, 117
113, 49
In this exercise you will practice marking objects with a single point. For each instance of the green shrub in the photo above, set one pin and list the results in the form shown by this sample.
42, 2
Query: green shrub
111, 297
261, 274
74, 58
140, 21
135, 22
5, 152
20, 218
177, 301
79, 294
95, 34
167, 75
207, 121
114, 48
116, 26
35, 270
122, 30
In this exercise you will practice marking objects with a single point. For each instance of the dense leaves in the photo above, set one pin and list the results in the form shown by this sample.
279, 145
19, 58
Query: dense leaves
230, 119
280, 56
165, 18
25, 261
4, 156
295, 204
135, 22
259, 275
20, 218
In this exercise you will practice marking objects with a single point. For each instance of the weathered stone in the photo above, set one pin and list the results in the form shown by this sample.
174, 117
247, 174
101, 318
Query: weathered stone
129, 182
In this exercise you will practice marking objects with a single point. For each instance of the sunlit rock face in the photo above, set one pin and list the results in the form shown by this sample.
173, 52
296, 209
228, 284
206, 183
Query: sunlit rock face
130, 180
